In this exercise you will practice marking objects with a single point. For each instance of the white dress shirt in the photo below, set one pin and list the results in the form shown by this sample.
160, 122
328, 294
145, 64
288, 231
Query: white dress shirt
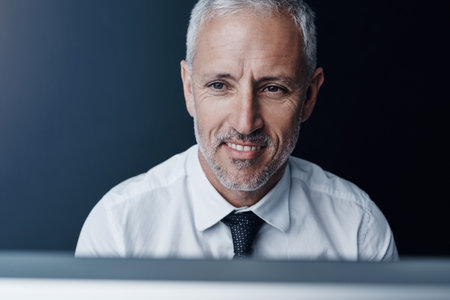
174, 211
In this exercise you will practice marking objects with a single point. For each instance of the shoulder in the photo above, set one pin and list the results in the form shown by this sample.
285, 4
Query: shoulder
341, 203
159, 178
130, 206
318, 181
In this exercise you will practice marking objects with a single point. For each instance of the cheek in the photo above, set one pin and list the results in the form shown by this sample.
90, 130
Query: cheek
281, 120
209, 119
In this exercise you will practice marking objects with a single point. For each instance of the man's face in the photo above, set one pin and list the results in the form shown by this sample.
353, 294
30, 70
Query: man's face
246, 92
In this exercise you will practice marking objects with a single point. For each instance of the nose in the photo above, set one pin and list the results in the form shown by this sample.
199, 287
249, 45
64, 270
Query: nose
246, 115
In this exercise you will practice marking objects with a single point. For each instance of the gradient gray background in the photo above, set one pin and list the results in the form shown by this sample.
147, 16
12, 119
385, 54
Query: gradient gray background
90, 95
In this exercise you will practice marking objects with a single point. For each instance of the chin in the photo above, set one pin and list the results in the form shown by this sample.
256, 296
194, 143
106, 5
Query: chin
244, 181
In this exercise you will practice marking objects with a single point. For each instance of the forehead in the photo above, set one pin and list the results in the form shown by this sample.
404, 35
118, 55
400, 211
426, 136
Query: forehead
245, 38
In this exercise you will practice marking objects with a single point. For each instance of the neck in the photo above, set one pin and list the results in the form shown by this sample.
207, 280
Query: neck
239, 198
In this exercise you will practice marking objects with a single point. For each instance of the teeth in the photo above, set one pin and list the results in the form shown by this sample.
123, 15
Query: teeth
243, 148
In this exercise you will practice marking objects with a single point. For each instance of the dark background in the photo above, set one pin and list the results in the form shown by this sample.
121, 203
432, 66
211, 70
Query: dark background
90, 95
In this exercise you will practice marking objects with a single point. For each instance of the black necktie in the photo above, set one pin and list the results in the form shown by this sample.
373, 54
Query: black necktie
244, 227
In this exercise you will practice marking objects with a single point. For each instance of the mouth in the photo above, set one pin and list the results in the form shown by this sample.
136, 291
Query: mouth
243, 148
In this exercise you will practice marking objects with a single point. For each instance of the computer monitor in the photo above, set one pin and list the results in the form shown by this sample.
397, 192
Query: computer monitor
60, 276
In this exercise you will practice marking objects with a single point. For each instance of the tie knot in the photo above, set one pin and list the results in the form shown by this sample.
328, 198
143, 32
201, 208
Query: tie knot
244, 227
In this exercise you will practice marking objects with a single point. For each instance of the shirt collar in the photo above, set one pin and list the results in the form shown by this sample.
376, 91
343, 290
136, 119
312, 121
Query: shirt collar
273, 208
209, 207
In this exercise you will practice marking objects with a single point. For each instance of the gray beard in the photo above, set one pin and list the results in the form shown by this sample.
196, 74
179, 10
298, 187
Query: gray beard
254, 181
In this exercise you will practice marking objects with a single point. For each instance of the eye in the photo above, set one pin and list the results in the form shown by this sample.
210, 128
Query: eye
274, 89
217, 85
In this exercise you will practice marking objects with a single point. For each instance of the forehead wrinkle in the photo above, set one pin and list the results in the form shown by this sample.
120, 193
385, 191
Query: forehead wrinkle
240, 58
222, 69
230, 69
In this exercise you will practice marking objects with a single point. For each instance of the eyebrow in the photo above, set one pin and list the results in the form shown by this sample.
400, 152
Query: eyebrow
209, 76
285, 79
220, 76
224, 75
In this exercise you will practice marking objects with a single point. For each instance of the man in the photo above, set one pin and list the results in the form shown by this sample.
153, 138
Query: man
249, 80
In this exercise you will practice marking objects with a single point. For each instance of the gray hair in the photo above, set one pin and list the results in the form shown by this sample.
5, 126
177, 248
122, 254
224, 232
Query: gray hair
301, 13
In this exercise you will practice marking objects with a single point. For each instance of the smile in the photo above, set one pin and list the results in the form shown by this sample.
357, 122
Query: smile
243, 148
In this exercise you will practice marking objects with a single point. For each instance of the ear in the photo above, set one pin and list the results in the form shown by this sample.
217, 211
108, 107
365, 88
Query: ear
187, 87
312, 93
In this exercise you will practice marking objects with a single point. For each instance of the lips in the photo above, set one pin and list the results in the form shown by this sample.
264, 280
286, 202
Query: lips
243, 148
